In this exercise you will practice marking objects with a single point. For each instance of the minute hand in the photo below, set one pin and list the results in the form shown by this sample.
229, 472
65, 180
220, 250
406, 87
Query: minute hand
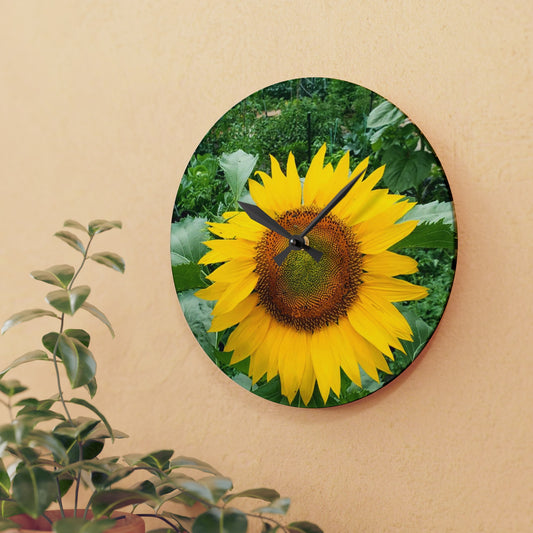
337, 198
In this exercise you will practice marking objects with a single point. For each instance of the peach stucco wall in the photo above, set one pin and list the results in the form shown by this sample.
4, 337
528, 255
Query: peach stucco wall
101, 105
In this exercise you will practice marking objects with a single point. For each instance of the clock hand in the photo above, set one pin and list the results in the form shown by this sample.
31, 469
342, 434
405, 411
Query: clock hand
302, 236
295, 243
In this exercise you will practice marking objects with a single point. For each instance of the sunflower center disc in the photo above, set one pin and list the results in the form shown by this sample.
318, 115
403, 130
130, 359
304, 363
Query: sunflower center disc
303, 293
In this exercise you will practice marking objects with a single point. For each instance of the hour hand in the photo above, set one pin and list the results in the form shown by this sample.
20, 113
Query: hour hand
260, 216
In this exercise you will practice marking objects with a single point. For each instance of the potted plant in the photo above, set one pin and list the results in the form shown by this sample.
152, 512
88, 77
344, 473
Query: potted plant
47, 453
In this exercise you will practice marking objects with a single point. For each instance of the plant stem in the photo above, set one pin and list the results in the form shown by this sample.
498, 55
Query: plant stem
59, 498
168, 522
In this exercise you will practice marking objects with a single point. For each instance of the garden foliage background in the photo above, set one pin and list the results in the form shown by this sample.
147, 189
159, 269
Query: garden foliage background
103, 104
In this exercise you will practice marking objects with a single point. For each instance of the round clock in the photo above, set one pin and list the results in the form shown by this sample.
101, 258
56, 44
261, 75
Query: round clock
313, 242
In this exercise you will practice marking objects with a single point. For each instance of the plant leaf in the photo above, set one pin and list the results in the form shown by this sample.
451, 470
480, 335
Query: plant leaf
24, 316
105, 502
384, 114
75, 224
303, 527
196, 464
186, 240
267, 495
425, 235
34, 489
279, 506
35, 355
405, 169
10, 387
188, 276
221, 521
110, 260
79, 525
198, 315
78, 360
99, 315
431, 212
100, 225
237, 167
68, 301
71, 240
98, 413
58, 275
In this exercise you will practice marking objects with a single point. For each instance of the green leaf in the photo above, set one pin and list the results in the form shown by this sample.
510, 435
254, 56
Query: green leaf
303, 527
5, 482
34, 489
71, 240
279, 506
34, 355
221, 521
50, 339
384, 114
405, 169
436, 235
267, 495
78, 360
10, 387
431, 212
98, 314
188, 276
217, 485
79, 525
87, 405
186, 240
41, 438
8, 525
198, 315
237, 168
74, 224
24, 316
421, 333
59, 275
92, 387
105, 502
110, 260
159, 459
100, 225
196, 464
68, 301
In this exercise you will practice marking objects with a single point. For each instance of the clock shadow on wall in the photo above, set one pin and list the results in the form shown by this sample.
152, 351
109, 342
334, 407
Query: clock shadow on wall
313, 242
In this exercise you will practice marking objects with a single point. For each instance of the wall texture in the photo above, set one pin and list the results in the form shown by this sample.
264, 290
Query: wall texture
102, 104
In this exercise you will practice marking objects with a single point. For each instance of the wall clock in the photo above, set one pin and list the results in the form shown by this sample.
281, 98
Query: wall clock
313, 242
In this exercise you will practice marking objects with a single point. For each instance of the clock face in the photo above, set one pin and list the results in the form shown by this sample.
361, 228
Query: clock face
313, 242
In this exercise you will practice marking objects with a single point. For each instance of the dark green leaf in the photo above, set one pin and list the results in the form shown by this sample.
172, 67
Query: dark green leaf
99, 225
237, 168
10, 387
97, 412
77, 428
50, 339
384, 115
221, 521
68, 301
92, 387
71, 240
268, 495
45, 440
74, 224
304, 527
196, 464
78, 360
98, 314
188, 276
279, 506
5, 482
79, 525
106, 502
186, 240
436, 235
24, 316
35, 355
110, 260
421, 333
34, 489
217, 485
59, 275
405, 169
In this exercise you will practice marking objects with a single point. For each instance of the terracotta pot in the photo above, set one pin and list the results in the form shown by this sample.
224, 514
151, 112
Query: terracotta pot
128, 523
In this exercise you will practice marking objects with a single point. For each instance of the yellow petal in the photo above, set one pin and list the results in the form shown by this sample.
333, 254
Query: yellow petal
325, 363
307, 385
313, 179
233, 271
291, 363
237, 314
375, 241
389, 264
234, 294
247, 336
224, 250
392, 289
213, 292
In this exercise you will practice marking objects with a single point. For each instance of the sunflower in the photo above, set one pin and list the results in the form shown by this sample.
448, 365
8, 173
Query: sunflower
307, 320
